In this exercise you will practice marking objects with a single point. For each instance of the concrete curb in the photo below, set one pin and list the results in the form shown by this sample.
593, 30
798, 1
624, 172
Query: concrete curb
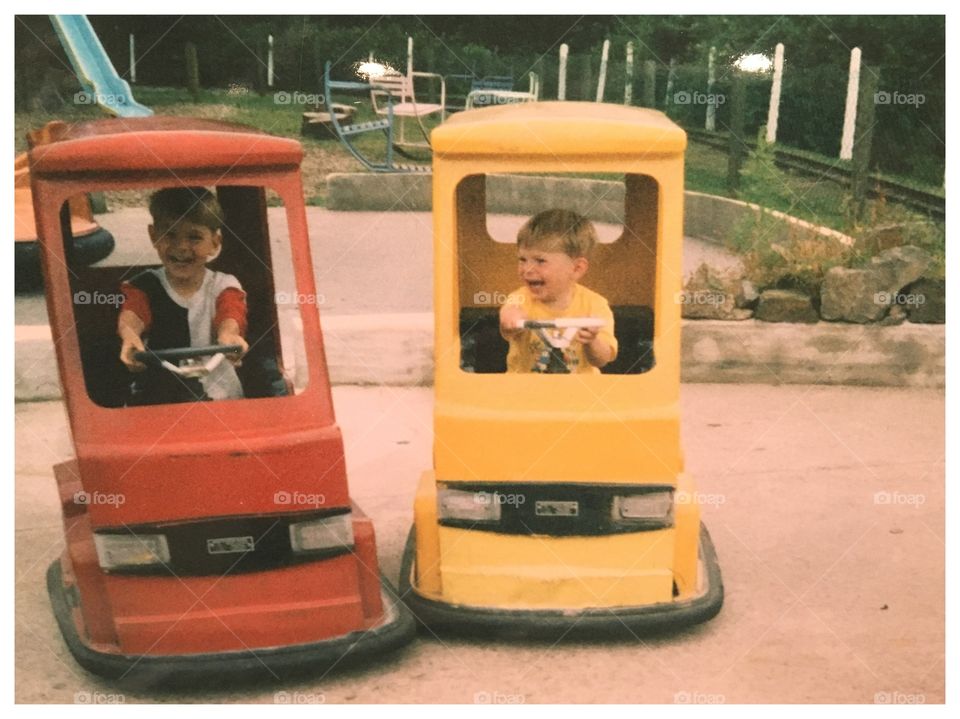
708, 217
397, 349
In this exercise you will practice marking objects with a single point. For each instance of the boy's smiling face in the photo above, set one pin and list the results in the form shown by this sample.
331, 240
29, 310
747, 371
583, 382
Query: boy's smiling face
184, 247
549, 274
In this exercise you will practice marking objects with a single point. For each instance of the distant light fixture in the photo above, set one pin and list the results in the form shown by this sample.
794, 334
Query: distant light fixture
756, 62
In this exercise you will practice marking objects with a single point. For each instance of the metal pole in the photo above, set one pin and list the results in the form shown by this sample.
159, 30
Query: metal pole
562, 75
628, 76
773, 114
850, 114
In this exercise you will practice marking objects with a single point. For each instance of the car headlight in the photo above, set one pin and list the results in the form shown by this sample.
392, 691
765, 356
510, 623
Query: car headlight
643, 507
116, 551
467, 505
321, 534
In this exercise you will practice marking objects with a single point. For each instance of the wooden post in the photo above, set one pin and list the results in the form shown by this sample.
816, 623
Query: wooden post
628, 76
133, 61
562, 73
259, 71
602, 80
193, 71
863, 139
540, 67
270, 61
586, 77
773, 113
850, 113
671, 75
649, 84
711, 122
736, 147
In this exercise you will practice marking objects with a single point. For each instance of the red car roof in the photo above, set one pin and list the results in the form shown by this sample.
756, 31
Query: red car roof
162, 144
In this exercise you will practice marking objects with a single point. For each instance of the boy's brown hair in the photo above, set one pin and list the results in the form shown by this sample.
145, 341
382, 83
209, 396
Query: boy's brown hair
559, 230
195, 204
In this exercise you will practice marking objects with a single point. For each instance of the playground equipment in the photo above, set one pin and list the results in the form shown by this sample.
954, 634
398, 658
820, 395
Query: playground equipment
90, 241
99, 79
558, 505
205, 539
398, 90
348, 133
102, 86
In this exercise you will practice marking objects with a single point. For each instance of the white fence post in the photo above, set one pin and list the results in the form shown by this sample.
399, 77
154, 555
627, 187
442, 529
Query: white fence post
773, 114
628, 76
602, 82
269, 60
850, 114
133, 61
711, 121
562, 73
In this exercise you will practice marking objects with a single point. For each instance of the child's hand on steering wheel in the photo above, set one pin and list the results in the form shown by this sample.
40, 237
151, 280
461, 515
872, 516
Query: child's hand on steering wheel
131, 345
230, 337
586, 335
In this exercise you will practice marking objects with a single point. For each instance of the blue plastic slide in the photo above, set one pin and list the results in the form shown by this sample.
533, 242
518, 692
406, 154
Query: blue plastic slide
99, 79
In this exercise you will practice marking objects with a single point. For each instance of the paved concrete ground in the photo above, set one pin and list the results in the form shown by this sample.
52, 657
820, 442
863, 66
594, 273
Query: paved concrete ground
826, 505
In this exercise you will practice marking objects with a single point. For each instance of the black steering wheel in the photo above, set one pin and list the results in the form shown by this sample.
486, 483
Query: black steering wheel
156, 358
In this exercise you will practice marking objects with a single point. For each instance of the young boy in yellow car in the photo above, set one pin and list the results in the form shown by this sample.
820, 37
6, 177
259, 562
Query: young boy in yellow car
553, 256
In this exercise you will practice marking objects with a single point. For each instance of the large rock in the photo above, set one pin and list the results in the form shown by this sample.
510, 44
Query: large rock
865, 295
785, 306
852, 295
711, 294
926, 301
900, 266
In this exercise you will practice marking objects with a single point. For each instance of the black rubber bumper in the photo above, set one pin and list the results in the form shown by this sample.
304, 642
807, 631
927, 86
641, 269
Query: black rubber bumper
553, 625
260, 665
87, 249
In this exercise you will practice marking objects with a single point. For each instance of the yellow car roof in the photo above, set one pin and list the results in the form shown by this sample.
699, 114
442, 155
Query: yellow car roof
559, 129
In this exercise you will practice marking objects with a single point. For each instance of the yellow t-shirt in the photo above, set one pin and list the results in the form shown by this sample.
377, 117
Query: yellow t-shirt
528, 353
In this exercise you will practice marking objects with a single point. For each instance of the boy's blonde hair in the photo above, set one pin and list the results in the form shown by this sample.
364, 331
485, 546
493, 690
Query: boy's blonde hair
559, 230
